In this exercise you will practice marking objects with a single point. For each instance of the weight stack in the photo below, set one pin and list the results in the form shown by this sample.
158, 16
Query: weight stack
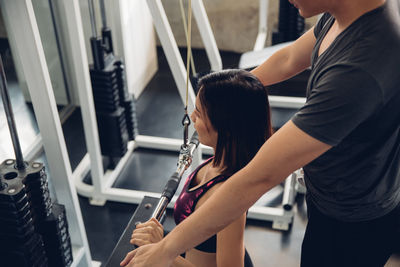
57, 242
20, 245
291, 24
37, 189
127, 101
105, 88
113, 132
115, 108
130, 116
38, 214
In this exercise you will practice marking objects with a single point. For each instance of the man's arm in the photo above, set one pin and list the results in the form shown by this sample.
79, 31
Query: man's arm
288, 61
287, 150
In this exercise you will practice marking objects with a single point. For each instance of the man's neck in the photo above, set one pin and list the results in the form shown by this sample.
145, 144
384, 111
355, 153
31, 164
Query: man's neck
347, 11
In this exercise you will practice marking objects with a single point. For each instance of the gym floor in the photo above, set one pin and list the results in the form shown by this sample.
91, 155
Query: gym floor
159, 112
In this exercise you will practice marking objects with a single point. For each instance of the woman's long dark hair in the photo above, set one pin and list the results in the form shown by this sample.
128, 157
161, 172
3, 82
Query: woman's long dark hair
236, 104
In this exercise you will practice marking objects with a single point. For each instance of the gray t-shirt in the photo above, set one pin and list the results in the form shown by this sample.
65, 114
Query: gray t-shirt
353, 104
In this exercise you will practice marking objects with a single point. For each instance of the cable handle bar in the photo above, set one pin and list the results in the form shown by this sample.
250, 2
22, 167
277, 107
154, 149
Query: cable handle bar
184, 161
151, 207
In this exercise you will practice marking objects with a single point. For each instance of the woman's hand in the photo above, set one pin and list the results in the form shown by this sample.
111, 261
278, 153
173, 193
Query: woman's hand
147, 233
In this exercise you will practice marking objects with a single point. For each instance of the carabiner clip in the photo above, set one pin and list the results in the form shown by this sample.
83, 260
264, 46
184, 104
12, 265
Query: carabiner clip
185, 124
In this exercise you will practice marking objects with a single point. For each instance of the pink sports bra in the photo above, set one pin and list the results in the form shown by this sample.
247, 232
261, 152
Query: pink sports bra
187, 200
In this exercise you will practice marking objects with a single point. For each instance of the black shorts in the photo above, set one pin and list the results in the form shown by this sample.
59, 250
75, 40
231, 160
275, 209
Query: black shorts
332, 243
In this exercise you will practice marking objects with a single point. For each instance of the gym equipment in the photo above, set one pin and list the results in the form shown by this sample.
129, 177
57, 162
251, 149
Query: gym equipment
20, 245
26, 208
291, 24
57, 242
151, 207
102, 189
27, 45
115, 108
287, 28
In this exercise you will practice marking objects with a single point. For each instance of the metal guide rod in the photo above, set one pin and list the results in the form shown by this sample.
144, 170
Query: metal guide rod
289, 192
10, 119
184, 161
103, 13
92, 18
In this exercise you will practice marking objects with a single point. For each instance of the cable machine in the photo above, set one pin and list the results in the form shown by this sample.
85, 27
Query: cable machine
102, 189
49, 124
33, 228
115, 108
22, 29
151, 207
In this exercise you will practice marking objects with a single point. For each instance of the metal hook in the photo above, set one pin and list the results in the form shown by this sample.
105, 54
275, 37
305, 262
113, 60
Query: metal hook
185, 123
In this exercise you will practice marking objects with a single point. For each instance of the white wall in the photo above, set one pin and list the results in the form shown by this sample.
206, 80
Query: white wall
133, 38
234, 23
139, 44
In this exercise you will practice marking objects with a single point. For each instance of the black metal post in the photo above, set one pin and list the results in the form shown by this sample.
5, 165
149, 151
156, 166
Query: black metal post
20, 164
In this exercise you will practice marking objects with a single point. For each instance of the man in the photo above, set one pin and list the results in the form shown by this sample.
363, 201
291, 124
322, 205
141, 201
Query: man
347, 137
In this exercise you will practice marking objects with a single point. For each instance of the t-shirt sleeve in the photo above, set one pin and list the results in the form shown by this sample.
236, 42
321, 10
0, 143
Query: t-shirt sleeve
343, 98
320, 24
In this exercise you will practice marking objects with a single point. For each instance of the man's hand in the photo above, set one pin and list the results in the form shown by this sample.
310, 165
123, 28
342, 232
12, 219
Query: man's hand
147, 256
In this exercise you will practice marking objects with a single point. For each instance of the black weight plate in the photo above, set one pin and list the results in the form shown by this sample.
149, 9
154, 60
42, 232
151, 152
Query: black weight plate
14, 214
37, 184
39, 194
35, 174
13, 193
103, 74
25, 219
17, 229
109, 91
109, 85
24, 243
14, 205
106, 99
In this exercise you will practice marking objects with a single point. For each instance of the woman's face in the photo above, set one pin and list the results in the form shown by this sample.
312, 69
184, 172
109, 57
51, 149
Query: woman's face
207, 134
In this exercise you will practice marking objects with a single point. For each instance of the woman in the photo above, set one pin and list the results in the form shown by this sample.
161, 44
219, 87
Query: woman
232, 116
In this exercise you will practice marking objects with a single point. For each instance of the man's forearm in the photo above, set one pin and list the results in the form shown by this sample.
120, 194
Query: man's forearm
275, 69
288, 61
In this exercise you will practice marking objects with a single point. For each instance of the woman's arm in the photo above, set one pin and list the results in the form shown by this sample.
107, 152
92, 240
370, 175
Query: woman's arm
146, 233
287, 150
230, 244
151, 232
178, 261
288, 61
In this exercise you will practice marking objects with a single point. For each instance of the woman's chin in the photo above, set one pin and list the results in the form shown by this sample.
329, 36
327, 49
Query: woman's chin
203, 142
